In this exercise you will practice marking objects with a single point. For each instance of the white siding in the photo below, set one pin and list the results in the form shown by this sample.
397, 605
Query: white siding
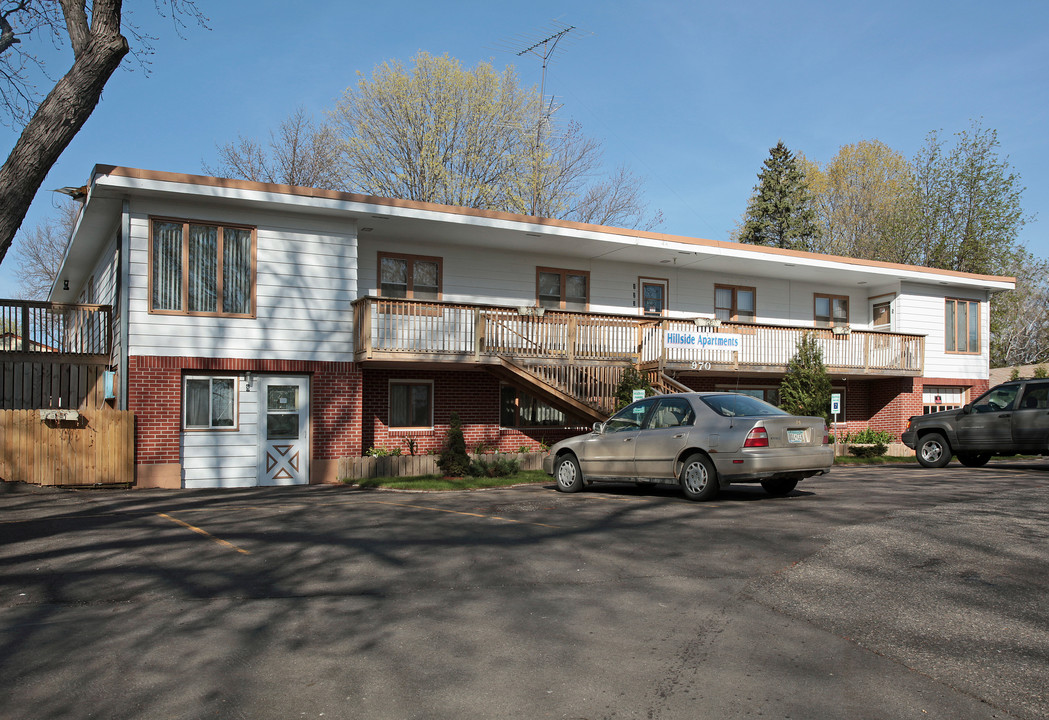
224, 459
920, 310
504, 277
305, 283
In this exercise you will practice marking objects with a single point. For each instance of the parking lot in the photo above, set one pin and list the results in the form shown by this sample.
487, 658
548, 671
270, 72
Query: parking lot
875, 592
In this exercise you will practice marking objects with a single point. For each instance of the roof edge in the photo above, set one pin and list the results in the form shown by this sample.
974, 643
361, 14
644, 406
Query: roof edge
338, 195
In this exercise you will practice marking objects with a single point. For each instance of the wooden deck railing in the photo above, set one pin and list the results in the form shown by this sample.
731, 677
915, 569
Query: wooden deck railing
52, 355
52, 328
410, 329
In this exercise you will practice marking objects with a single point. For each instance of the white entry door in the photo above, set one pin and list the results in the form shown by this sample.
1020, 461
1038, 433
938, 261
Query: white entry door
284, 430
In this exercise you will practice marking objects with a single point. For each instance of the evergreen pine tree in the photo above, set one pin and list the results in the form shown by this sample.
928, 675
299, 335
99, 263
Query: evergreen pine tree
780, 213
806, 389
453, 460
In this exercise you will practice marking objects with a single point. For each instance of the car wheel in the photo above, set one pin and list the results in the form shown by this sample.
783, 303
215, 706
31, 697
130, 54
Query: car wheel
974, 459
699, 479
566, 471
933, 451
779, 488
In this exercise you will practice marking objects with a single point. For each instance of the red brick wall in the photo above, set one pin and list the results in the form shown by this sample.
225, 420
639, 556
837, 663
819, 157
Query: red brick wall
155, 396
474, 395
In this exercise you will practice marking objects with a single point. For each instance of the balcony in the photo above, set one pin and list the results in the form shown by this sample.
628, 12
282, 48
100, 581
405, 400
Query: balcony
53, 355
396, 330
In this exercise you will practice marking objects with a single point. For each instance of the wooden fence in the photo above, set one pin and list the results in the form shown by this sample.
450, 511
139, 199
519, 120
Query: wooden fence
358, 468
30, 383
97, 448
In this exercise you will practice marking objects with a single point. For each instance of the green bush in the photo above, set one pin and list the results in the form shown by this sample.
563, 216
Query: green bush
868, 451
383, 452
504, 467
870, 435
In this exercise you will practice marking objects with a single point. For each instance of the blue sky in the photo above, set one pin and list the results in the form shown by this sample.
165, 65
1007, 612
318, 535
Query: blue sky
690, 95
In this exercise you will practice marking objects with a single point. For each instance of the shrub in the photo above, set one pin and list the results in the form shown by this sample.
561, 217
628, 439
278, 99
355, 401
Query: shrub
504, 467
806, 387
453, 460
1040, 372
869, 435
868, 451
631, 380
383, 452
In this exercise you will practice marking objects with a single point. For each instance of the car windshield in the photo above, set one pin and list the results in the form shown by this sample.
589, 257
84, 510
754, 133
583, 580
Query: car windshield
730, 405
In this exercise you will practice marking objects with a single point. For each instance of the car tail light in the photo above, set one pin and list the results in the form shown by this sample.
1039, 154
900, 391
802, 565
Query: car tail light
826, 436
758, 437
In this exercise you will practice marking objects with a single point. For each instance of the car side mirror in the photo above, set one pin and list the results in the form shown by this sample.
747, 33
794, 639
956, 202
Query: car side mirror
599, 428
966, 409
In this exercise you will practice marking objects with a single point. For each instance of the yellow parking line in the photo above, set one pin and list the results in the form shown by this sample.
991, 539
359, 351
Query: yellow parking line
205, 533
459, 512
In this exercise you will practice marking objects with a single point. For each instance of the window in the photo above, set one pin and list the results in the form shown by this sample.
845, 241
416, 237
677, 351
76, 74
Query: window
519, 409
831, 310
563, 289
201, 269
409, 276
671, 412
937, 399
997, 400
734, 303
411, 404
768, 394
962, 326
210, 403
653, 296
881, 313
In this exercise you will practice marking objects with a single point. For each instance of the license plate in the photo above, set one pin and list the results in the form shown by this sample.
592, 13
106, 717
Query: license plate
796, 436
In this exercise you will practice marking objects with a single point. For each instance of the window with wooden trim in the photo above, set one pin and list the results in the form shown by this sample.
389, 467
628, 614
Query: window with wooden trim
209, 403
962, 326
734, 304
411, 404
830, 310
654, 296
201, 268
415, 277
563, 289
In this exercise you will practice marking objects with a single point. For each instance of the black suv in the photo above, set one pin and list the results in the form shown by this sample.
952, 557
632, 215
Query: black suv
1009, 419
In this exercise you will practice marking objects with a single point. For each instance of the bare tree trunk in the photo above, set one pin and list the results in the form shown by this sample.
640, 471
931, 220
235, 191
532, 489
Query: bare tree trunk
98, 50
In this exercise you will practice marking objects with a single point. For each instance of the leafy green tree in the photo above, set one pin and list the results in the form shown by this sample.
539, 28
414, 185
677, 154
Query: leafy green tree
780, 213
806, 387
968, 210
863, 198
454, 460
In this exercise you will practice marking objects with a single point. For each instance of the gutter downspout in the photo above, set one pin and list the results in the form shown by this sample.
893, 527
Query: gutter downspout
123, 302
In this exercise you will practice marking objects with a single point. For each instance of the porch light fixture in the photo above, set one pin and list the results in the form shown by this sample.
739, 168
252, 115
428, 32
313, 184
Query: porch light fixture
247, 380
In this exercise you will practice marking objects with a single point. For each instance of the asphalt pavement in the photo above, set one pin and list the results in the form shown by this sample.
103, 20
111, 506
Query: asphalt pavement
875, 592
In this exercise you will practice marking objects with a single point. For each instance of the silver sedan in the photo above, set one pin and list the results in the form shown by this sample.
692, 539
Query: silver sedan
702, 441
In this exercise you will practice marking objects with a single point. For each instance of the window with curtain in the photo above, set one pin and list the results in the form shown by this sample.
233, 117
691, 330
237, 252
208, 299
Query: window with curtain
563, 289
409, 276
831, 310
411, 404
734, 304
201, 269
962, 326
209, 403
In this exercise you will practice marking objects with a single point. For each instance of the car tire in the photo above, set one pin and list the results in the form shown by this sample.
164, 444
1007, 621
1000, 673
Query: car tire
699, 479
779, 488
567, 473
974, 459
933, 451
